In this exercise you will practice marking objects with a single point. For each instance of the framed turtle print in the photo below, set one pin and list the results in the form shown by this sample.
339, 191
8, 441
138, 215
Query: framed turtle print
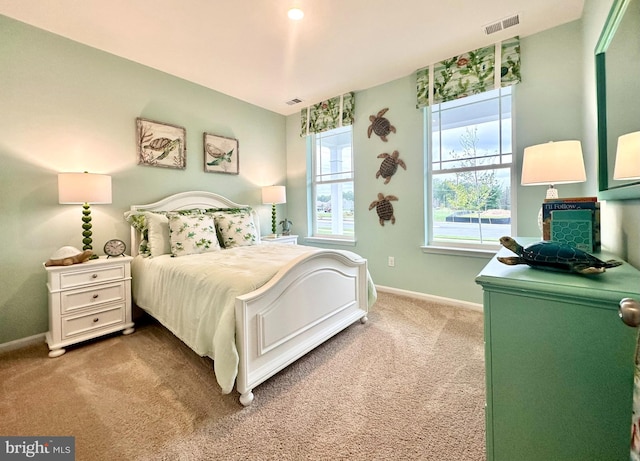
161, 144
221, 154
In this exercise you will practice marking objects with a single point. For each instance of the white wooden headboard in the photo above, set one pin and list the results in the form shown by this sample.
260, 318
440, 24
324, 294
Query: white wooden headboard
185, 201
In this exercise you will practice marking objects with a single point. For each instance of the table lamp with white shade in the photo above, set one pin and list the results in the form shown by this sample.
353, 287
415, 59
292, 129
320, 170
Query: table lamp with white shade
628, 157
552, 163
274, 195
85, 189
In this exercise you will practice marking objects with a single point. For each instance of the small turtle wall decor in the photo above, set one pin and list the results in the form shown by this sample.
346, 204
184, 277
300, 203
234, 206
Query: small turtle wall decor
384, 208
380, 125
389, 165
554, 256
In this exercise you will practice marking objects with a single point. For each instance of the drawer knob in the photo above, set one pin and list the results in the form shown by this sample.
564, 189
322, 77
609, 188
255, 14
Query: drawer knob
94, 276
95, 296
96, 320
629, 312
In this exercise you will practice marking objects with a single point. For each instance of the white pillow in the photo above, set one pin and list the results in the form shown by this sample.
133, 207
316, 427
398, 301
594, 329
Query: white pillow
192, 234
236, 228
158, 233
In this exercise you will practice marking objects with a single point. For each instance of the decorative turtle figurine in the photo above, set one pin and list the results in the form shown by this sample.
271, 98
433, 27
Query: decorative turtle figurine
389, 165
384, 208
286, 226
67, 256
555, 256
380, 125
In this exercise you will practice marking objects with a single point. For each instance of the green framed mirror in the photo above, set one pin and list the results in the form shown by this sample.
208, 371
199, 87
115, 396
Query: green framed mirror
617, 59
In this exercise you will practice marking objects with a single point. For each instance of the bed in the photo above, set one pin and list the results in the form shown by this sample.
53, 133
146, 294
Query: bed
253, 306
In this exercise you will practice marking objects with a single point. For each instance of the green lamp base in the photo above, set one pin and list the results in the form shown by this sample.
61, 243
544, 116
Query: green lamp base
86, 232
273, 219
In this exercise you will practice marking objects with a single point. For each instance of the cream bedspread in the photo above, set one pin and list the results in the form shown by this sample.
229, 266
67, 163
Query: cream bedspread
194, 296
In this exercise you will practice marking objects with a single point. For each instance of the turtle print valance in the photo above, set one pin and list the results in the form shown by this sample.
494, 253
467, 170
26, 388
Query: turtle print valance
469, 73
327, 115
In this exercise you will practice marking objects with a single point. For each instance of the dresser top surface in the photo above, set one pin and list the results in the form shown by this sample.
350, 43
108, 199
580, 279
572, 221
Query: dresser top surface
614, 283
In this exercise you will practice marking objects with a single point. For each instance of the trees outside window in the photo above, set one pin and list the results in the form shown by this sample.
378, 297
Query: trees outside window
468, 182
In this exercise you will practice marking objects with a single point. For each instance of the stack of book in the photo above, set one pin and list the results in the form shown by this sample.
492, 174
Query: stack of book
575, 221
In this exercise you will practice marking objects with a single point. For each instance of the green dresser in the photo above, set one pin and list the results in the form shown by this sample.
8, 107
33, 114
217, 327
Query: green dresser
559, 363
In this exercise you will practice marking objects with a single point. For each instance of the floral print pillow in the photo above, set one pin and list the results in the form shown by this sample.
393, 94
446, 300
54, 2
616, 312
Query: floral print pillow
154, 229
138, 221
192, 234
236, 228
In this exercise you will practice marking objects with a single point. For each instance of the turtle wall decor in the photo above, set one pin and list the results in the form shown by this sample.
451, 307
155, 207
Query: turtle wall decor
161, 144
384, 208
380, 125
389, 165
554, 256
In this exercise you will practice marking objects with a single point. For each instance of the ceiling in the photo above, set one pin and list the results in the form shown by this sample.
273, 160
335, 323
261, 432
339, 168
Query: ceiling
250, 50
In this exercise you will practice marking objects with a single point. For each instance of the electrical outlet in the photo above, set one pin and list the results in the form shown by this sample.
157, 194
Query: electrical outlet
392, 261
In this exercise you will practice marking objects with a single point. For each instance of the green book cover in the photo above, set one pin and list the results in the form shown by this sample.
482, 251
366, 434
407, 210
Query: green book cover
573, 227
586, 203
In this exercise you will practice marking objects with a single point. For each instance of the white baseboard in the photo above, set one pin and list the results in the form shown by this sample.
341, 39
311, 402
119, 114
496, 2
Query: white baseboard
19, 343
23, 342
433, 298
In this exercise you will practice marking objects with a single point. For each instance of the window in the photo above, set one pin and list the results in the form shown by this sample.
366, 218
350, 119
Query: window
331, 192
469, 192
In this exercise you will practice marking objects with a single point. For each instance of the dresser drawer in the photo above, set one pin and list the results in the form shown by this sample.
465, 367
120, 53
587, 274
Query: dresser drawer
85, 323
94, 275
81, 298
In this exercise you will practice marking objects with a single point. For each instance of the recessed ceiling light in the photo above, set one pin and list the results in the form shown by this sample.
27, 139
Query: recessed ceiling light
296, 14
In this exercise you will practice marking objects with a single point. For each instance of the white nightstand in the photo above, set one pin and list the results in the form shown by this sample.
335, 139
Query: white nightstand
290, 239
88, 300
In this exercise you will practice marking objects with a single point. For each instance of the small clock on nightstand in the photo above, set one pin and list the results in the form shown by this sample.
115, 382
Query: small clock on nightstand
114, 247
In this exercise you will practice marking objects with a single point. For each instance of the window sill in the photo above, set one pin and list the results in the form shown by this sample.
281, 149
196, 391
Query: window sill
458, 251
330, 241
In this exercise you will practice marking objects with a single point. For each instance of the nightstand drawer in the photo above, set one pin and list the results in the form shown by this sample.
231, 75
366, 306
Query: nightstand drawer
95, 275
82, 298
88, 300
82, 324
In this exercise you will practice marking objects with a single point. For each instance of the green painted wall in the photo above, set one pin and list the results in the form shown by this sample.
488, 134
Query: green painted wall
548, 104
69, 107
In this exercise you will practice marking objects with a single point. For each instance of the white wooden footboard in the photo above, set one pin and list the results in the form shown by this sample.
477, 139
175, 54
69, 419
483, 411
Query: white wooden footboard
306, 303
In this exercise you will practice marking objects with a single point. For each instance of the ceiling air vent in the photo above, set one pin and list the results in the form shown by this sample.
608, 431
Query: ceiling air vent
502, 24
511, 21
493, 28
294, 101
